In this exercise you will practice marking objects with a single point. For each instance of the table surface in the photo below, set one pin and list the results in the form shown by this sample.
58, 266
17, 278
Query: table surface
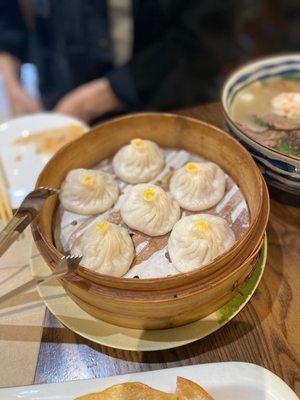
266, 332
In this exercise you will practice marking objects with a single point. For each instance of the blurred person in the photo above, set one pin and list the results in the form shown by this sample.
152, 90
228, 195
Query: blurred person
97, 57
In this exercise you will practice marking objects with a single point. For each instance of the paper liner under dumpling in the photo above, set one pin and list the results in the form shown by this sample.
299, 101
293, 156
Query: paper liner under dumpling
152, 258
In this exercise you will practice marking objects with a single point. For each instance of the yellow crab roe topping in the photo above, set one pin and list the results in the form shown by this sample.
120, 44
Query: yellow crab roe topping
149, 194
102, 226
138, 143
88, 180
202, 226
191, 167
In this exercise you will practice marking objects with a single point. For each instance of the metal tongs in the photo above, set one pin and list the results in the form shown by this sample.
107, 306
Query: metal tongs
26, 213
67, 265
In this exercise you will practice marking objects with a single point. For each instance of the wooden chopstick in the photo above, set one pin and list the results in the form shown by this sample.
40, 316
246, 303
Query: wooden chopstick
2, 213
5, 208
6, 212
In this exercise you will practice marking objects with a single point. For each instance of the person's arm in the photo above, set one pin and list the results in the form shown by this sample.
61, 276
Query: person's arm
90, 101
20, 101
13, 43
121, 88
171, 72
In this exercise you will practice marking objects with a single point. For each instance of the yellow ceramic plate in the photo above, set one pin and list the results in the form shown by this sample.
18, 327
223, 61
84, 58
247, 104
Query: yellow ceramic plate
73, 317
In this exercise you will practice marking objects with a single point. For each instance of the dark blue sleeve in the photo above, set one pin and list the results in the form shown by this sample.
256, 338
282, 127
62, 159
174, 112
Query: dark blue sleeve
177, 69
13, 32
123, 84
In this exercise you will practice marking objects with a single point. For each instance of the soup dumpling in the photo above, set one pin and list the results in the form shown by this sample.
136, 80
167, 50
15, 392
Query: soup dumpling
149, 209
106, 248
197, 240
198, 186
138, 162
88, 192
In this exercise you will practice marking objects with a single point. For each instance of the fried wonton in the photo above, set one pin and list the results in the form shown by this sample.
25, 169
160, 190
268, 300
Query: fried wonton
129, 391
188, 390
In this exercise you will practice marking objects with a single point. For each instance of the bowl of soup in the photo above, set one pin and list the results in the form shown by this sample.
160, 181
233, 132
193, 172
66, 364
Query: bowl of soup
261, 104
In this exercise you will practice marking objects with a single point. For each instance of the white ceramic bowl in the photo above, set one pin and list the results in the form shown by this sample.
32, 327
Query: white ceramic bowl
280, 170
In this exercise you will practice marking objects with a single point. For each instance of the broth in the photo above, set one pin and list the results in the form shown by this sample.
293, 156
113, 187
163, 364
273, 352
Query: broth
268, 111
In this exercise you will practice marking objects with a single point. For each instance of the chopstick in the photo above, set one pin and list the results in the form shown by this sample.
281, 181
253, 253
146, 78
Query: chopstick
6, 212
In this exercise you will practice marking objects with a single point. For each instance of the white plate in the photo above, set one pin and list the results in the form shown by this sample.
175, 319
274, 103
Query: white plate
22, 175
80, 322
224, 381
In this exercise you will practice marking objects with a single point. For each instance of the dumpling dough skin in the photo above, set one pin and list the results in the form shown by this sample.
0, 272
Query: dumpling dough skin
198, 186
198, 239
106, 248
138, 162
88, 192
151, 210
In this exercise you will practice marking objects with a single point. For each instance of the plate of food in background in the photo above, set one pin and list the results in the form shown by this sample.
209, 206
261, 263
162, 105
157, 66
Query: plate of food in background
26, 145
261, 103
225, 380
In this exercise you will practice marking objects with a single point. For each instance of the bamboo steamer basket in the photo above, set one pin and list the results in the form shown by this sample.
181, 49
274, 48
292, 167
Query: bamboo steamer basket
170, 301
167, 308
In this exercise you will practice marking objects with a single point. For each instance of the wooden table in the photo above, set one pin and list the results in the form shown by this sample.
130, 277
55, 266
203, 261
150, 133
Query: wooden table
266, 332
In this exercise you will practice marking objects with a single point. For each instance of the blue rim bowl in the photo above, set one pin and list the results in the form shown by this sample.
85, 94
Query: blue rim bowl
280, 170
